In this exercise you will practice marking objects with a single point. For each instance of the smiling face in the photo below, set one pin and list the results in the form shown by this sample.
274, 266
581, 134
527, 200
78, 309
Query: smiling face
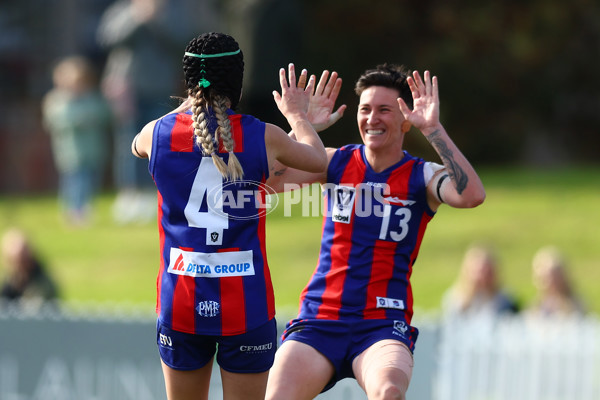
379, 118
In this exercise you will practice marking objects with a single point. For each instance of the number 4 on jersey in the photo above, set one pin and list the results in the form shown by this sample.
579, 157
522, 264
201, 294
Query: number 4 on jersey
208, 184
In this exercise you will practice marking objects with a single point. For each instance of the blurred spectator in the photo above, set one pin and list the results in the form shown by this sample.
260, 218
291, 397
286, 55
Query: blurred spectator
144, 39
25, 279
477, 290
556, 296
79, 120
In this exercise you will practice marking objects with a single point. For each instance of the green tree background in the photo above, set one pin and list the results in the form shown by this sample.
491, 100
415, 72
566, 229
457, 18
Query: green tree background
519, 81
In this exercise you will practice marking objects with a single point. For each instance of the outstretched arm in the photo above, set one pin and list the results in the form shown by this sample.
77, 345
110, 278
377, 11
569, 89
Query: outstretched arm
321, 115
463, 189
307, 153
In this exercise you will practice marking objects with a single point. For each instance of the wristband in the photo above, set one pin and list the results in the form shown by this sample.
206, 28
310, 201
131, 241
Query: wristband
439, 185
136, 150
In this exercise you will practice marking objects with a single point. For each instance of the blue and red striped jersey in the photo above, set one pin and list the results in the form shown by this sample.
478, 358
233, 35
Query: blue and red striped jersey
214, 277
372, 231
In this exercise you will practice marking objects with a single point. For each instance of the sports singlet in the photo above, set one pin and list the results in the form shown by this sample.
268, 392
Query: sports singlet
213, 277
372, 232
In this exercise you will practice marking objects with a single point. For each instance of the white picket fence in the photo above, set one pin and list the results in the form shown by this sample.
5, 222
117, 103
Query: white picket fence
101, 353
519, 358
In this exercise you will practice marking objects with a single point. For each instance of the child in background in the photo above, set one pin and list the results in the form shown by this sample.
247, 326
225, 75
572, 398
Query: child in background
78, 120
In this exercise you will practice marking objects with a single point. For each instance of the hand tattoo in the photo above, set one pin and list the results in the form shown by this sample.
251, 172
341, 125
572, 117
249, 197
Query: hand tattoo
458, 176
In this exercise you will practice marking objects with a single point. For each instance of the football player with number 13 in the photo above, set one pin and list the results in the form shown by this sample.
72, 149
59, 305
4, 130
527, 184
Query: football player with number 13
355, 313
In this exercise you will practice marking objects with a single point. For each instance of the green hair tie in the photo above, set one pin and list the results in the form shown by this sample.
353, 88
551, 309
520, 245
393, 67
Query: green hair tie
204, 83
230, 53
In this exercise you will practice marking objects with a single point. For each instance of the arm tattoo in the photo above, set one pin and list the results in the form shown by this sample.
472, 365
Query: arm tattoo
457, 174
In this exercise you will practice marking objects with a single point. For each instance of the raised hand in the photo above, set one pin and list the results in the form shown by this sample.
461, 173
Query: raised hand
426, 103
322, 101
294, 98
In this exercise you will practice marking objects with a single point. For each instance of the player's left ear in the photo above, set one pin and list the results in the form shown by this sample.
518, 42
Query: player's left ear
405, 127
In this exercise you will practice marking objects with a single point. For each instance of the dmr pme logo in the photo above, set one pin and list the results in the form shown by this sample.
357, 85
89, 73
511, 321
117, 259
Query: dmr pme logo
208, 308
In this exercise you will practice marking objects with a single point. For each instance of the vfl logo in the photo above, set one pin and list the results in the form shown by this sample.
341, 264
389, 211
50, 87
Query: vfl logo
208, 308
401, 327
345, 196
214, 236
343, 203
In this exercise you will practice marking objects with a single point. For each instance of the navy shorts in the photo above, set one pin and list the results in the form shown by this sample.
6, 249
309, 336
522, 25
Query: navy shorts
342, 341
251, 352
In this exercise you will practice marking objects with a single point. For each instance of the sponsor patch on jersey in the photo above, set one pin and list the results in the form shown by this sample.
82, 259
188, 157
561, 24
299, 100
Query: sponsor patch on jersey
211, 265
208, 308
343, 203
386, 302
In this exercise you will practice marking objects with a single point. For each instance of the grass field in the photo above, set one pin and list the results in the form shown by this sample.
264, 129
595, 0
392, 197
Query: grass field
524, 210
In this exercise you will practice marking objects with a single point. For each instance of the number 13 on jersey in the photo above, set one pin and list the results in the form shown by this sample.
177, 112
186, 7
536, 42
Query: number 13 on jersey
396, 233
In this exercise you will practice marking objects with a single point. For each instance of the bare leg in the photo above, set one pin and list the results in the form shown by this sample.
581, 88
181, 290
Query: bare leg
300, 372
384, 370
244, 386
187, 385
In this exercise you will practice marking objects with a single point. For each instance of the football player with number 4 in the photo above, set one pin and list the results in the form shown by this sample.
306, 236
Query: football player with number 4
214, 288
355, 313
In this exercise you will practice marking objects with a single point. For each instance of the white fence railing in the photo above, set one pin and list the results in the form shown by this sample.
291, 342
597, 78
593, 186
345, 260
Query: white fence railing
519, 358
101, 353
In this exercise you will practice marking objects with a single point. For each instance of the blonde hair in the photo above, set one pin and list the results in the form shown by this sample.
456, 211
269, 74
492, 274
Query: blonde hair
476, 257
555, 291
547, 262
233, 169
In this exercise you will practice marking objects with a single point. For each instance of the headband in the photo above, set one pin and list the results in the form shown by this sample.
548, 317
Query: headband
230, 53
204, 82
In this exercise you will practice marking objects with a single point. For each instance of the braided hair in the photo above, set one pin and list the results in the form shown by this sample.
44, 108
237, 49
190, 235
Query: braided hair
213, 67
387, 75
